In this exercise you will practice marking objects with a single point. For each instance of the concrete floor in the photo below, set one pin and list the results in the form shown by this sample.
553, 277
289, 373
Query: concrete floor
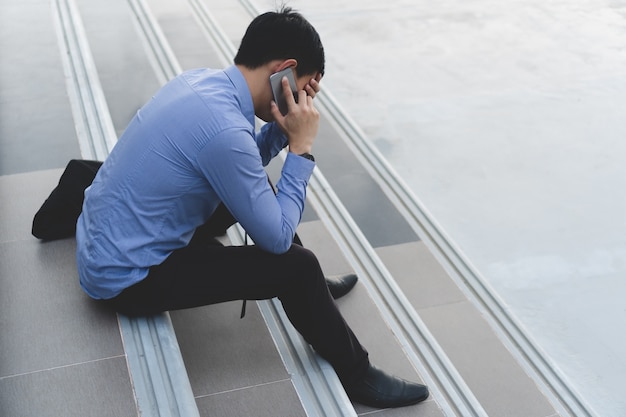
506, 120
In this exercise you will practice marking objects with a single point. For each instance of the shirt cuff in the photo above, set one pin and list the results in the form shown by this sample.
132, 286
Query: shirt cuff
298, 166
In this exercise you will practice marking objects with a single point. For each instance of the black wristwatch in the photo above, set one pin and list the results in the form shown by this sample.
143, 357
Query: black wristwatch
308, 156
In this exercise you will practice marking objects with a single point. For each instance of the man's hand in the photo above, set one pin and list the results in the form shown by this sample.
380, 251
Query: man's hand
313, 86
301, 122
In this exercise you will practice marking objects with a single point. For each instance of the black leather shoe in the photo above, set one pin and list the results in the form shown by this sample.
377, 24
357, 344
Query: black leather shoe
381, 390
340, 285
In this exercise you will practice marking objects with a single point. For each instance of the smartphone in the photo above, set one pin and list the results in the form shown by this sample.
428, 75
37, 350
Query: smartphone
277, 88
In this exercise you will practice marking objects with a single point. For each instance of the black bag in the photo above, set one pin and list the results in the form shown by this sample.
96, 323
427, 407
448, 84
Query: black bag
56, 219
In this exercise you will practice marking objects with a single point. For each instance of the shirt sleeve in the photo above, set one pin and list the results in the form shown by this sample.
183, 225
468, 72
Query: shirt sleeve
234, 168
270, 141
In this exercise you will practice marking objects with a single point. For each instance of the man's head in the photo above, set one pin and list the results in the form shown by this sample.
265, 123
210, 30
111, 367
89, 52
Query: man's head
279, 36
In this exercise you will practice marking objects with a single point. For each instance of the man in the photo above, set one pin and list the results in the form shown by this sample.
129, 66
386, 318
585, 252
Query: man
145, 233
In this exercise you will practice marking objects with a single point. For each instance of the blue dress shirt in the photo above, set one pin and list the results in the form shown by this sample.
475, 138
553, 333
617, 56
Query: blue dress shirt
192, 146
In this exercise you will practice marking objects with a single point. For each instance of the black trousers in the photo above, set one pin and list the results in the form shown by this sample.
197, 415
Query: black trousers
206, 272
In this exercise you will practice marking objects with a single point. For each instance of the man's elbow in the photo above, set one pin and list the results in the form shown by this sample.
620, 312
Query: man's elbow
282, 247
277, 247
276, 243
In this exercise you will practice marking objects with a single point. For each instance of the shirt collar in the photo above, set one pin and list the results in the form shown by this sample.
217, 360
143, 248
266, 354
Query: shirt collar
243, 92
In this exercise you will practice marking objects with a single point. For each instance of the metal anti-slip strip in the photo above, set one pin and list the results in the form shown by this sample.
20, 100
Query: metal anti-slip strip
94, 126
156, 366
166, 65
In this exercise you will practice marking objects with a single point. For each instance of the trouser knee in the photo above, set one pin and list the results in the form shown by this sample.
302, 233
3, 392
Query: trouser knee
304, 267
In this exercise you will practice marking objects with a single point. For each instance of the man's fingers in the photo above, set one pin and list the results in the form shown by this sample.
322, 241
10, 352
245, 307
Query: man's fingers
287, 92
278, 116
315, 84
312, 88
302, 97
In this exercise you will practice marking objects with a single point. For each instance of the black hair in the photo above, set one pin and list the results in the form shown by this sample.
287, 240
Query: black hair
282, 34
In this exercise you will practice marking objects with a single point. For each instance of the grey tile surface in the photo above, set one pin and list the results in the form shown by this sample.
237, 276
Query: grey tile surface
497, 380
223, 352
420, 276
21, 195
378, 219
125, 71
463, 333
277, 399
99, 389
315, 236
36, 127
232, 17
46, 320
60, 353
191, 49
367, 323
428, 408
384, 350
40, 298
183, 33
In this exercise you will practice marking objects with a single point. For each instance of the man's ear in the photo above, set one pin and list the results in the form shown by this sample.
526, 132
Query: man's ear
281, 65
